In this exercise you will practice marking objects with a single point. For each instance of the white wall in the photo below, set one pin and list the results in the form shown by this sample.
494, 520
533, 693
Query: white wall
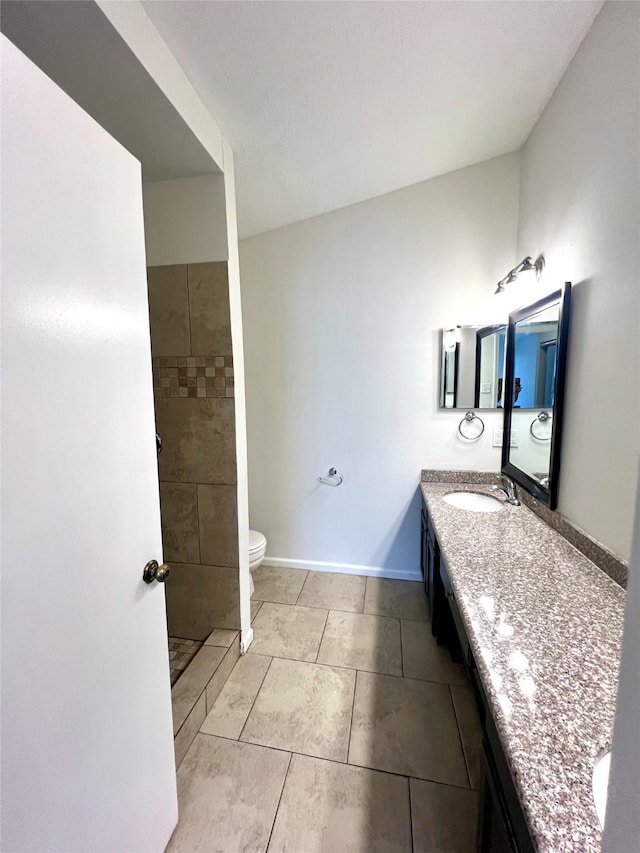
185, 221
131, 21
622, 827
579, 206
606, 74
341, 314
237, 340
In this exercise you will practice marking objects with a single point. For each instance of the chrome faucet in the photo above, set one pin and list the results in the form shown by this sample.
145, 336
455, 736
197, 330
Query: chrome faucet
509, 488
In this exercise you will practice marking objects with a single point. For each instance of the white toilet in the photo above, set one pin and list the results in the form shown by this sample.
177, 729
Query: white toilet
257, 548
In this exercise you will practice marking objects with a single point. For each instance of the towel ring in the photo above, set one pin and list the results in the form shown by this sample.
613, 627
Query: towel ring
543, 417
468, 419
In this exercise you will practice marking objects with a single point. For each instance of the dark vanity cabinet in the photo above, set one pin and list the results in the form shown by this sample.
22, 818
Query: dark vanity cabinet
428, 559
431, 560
503, 827
423, 551
494, 835
451, 630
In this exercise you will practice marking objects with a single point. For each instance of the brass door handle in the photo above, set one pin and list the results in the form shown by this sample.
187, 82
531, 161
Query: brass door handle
153, 572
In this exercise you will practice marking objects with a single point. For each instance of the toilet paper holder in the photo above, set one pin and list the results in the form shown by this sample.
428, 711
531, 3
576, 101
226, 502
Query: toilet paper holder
333, 478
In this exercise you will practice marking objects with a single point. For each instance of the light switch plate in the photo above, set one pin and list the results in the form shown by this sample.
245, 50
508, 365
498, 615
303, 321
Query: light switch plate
497, 438
515, 438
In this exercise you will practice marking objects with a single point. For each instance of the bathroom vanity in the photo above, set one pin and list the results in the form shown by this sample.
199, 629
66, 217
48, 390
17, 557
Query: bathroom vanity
538, 627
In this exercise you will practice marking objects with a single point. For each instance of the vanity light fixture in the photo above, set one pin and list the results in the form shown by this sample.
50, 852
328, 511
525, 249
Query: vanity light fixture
526, 265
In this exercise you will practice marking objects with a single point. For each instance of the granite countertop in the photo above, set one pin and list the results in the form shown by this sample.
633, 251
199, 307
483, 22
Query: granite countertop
545, 628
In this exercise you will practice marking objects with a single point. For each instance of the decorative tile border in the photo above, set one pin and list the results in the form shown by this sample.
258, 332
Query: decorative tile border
193, 376
593, 550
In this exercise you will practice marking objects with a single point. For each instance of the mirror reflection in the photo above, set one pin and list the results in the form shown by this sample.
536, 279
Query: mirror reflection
536, 362
472, 367
536, 344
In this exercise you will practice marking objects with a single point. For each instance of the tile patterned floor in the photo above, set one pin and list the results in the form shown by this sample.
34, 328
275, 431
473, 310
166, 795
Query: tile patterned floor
181, 653
345, 728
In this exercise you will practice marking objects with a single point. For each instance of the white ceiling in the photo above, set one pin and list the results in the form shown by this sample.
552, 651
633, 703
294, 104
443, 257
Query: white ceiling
330, 103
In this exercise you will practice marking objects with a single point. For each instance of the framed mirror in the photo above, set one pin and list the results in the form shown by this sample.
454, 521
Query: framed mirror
537, 340
472, 367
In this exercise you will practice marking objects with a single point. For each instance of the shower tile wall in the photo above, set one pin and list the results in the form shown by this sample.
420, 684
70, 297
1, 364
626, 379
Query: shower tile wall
193, 393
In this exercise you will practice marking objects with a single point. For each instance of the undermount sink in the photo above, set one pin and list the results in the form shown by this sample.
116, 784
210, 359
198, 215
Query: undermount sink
473, 501
600, 784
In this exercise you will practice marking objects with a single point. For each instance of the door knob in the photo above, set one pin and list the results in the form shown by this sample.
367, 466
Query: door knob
154, 572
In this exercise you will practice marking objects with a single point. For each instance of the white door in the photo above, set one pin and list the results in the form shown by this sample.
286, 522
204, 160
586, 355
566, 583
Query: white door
87, 745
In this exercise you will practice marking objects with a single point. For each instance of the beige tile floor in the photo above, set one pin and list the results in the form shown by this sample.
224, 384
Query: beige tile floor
345, 729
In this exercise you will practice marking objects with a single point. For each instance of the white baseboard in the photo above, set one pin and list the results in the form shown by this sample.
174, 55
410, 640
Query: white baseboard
343, 568
246, 639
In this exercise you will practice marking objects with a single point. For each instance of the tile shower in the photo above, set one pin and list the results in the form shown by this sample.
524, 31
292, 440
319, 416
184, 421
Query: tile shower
194, 406
181, 653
